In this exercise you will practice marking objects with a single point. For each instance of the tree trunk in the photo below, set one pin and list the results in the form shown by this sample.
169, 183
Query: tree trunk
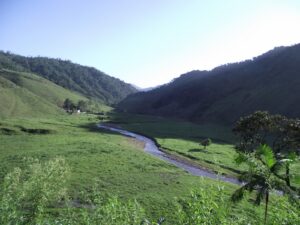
266, 207
287, 175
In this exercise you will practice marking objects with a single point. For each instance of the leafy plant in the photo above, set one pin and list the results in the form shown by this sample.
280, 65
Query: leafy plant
97, 210
205, 206
261, 176
26, 194
281, 133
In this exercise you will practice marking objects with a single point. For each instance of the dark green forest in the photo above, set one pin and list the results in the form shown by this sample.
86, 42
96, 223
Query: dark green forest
268, 82
87, 81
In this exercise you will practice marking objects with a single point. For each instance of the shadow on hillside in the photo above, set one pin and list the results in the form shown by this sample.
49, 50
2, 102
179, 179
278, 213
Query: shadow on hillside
171, 128
92, 127
214, 140
202, 151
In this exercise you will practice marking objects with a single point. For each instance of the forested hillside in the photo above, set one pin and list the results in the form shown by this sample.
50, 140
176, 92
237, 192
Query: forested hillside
268, 82
87, 81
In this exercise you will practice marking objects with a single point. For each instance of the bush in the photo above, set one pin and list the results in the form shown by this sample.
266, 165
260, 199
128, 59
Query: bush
208, 206
206, 142
26, 194
101, 211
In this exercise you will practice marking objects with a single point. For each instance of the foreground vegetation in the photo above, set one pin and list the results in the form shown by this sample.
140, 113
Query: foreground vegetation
29, 196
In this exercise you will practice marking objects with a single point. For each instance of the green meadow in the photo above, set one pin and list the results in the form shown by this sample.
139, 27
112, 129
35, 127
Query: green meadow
182, 139
117, 164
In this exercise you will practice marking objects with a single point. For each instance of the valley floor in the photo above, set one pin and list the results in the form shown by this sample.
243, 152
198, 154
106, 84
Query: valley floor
118, 164
181, 140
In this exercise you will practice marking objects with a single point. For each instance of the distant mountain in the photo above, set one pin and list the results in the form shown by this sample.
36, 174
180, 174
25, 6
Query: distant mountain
137, 87
143, 89
150, 88
268, 82
87, 81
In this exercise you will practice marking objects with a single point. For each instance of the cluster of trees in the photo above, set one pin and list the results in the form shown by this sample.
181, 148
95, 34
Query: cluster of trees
88, 81
70, 106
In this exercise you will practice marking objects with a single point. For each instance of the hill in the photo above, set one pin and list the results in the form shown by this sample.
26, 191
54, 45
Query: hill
267, 82
26, 94
87, 81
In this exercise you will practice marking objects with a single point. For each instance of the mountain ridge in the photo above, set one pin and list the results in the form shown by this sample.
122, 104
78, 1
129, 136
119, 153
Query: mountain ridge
229, 91
85, 80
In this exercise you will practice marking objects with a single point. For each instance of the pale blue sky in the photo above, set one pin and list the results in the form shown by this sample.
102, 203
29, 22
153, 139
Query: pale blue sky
148, 42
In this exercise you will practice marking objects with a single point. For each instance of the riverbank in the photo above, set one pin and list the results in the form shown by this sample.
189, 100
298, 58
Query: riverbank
152, 148
181, 139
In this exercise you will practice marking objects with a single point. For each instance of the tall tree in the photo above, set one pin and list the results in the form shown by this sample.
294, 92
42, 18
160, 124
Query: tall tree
281, 133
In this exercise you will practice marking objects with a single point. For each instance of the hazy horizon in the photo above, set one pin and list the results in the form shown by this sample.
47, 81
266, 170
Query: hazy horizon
148, 43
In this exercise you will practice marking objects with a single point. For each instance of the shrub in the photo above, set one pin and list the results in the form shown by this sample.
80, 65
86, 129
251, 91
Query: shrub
206, 142
26, 194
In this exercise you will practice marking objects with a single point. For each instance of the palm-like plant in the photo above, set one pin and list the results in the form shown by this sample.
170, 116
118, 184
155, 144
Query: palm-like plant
261, 176
282, 133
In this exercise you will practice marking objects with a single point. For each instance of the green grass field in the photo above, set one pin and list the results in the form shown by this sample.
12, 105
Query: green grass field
116, 163
181, 138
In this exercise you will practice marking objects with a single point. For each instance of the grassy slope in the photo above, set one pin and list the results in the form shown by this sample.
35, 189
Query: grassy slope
81, 79
117, 162
182, 139
24, 94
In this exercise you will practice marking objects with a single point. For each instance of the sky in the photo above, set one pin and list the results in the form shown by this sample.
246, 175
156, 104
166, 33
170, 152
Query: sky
148, 42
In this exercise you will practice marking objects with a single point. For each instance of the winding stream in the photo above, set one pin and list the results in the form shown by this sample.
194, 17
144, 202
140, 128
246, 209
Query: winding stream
151, 148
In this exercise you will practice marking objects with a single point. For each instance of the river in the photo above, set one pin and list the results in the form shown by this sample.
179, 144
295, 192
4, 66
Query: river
153, 149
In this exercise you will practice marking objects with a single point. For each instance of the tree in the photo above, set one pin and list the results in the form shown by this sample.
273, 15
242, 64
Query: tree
82, 105
69, 105
206, 142
281, 133
261, 176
